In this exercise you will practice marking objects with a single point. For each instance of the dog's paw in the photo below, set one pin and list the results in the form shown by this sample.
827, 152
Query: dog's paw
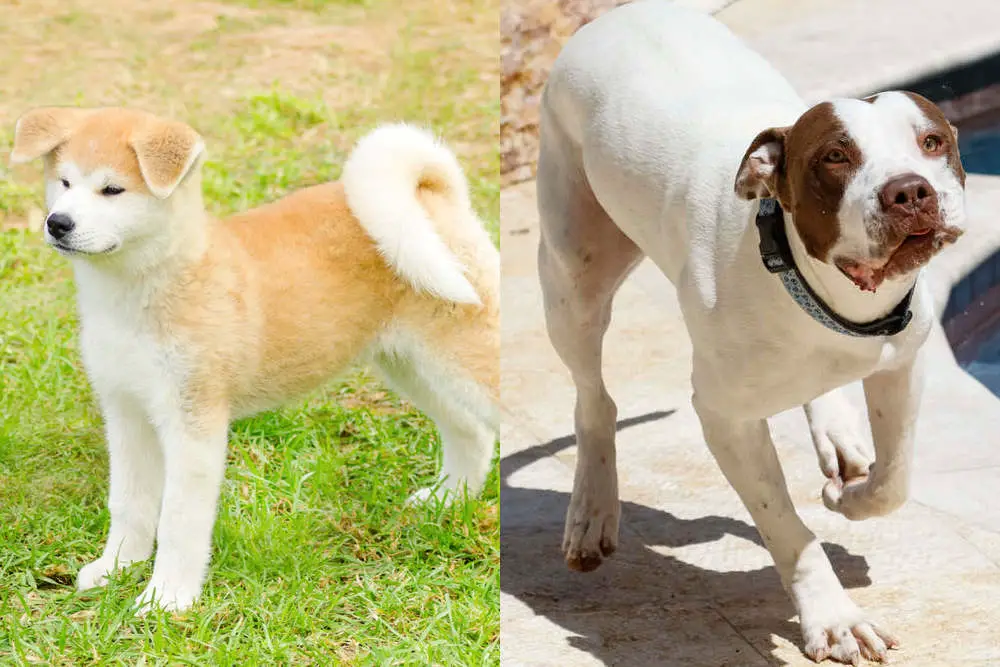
863, 498
166, 596
591, 532
839, 631
94, 575
432, 494
841, 451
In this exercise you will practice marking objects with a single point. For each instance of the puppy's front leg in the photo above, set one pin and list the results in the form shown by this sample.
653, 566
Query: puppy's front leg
195, 456
136, 487
893, 399
832, 625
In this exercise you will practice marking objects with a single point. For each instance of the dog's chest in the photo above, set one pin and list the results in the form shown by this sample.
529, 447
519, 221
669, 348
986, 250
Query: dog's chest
123, 356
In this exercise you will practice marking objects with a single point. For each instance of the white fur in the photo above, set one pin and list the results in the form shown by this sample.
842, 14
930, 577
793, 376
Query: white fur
885, 131
464, 413
639, 154
155, 230
380, 178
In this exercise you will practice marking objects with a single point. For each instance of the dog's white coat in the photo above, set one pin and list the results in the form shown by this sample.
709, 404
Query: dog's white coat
645, 118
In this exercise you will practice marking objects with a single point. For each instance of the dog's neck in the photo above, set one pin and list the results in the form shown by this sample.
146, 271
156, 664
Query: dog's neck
838, 292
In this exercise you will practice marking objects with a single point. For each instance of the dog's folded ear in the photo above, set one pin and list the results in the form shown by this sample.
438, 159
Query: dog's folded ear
40, 131
166, 151
758, 173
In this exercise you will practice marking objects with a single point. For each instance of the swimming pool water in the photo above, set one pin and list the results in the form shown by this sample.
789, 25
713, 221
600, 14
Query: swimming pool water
986, 366
980, 151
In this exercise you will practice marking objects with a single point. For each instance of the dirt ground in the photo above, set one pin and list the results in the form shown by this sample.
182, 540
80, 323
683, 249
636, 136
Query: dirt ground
531, 34
198, 60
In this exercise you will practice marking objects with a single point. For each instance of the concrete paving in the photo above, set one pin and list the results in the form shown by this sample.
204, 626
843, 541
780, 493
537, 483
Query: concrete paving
691, 583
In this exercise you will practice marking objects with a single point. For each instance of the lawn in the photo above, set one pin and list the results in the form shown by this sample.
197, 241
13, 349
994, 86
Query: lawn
315, 559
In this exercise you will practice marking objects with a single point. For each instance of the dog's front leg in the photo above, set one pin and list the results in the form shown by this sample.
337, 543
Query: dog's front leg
136, 465
836, 432
893, 399
832, 625
194, 448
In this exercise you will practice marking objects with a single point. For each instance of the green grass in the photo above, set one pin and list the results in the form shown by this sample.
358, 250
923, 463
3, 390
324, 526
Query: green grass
315, 560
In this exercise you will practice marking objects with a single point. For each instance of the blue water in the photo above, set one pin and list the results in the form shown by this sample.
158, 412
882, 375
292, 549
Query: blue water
980, 150
981, 155
986, 366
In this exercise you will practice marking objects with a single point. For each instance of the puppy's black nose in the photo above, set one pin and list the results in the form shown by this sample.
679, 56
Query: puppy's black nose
59, 225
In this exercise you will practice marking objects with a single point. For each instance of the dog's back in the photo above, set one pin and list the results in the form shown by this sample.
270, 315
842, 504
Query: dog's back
654, 104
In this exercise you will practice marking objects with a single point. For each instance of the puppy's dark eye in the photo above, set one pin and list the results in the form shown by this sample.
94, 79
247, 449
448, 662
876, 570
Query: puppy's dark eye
111, 190
64, 182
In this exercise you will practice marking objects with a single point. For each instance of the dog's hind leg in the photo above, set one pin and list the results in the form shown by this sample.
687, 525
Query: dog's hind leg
582, 260
461, 410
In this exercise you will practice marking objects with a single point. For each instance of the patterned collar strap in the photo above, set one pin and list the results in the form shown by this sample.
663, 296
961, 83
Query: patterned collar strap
777, 257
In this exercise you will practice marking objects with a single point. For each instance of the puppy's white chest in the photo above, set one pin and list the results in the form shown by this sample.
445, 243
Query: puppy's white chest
123, 357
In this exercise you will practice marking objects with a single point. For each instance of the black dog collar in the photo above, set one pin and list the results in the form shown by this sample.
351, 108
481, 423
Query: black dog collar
777, 257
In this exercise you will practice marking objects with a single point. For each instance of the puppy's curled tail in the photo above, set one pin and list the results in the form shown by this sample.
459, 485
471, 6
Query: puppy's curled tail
381, 179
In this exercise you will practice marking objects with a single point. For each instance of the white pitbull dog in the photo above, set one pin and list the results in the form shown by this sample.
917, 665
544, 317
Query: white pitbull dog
663, 136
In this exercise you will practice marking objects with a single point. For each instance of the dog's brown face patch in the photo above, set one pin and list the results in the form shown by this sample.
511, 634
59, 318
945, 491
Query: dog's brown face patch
874, 186
821, 158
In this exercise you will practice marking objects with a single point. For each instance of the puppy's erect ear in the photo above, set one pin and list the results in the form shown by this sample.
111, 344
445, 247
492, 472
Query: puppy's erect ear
761, 165
166, 151
39, 131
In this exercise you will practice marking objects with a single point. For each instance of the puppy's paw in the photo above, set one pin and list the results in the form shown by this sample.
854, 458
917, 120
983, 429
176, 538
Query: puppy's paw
591, 532
166, 596
95, 574
431, 495
837, 629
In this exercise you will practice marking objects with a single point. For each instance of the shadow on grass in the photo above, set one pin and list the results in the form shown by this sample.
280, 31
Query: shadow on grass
642, 607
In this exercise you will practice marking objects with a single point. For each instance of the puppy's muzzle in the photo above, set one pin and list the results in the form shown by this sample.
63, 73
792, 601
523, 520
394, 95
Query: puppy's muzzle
59, 225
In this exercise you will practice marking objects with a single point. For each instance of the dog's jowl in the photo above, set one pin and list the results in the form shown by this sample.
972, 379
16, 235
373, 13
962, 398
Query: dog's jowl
795, 237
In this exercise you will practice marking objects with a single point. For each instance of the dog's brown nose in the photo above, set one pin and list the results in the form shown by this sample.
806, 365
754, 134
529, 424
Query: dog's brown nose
906, 193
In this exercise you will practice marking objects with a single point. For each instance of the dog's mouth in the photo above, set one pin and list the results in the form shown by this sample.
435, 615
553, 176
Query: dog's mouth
64, 249
914, 251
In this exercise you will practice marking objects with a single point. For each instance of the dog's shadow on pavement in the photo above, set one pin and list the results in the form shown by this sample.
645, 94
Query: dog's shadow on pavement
641, 607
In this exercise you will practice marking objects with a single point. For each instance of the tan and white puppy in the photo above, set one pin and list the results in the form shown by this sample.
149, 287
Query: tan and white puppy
188, 322
659, 150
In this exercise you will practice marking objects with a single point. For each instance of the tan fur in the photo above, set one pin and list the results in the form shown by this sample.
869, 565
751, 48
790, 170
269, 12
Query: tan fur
292, 292
287, 294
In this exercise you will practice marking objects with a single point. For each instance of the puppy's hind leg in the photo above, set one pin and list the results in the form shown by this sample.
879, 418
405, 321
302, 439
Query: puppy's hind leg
582, 259
460, 410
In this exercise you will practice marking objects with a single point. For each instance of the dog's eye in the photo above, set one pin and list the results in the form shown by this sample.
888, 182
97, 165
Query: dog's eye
932, 143
835, 156
111, 190
64, 182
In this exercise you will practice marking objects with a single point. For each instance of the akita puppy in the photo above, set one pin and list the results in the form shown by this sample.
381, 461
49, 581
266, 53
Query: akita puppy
189, 322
